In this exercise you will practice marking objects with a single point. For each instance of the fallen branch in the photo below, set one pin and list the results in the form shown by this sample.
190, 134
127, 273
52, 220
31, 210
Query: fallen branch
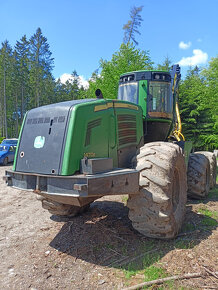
188, 233
161, 281
210, 272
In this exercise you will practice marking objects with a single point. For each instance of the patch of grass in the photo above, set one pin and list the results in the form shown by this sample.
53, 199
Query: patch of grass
142, 264
184, 244
214, 192
124, 250
188, 228
208, 213
124, 199
153, 273
147, 245
207, 221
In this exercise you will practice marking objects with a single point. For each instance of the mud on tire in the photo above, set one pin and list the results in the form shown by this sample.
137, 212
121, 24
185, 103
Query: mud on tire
61, 209
198, 176
159, 209
213, 166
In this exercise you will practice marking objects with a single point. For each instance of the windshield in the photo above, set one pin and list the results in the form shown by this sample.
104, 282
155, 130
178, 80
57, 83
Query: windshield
160, 98
128, 92
3, 148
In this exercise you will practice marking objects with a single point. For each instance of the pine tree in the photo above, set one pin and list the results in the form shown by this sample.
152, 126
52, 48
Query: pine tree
166, 65
5, 69
195, 112
23, 65
41, 67
211, 79
131, 28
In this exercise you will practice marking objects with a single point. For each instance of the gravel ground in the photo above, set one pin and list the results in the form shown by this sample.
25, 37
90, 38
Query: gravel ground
40, 251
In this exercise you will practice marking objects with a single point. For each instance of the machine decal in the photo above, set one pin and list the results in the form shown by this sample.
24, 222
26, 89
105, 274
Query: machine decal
39, 142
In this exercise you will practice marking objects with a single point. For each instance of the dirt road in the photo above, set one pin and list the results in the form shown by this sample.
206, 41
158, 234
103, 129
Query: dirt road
92, 251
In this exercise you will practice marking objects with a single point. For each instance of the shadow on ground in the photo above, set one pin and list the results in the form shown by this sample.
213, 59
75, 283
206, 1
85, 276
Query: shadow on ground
104, 236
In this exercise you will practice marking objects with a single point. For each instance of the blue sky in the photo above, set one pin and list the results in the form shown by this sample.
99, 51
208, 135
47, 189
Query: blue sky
81, 32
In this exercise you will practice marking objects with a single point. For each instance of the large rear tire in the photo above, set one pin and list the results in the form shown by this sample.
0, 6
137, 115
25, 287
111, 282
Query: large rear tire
61, 209
213, 166
158, 210
198, 176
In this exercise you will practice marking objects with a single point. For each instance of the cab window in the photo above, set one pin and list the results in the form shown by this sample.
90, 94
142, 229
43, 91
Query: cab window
160, 99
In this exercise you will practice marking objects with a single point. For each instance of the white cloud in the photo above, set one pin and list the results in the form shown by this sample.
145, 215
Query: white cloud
68, 77
198, 57
184, 45
199, 40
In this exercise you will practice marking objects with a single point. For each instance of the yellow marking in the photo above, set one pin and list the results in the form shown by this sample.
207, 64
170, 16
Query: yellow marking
127, 106
89, 154
103, 107
116, 105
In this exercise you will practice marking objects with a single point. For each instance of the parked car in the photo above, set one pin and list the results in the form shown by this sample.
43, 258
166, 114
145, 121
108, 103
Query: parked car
7, 152
9, 142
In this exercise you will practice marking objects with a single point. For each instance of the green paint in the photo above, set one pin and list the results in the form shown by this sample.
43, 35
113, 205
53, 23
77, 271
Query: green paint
143, 88
103, 138
18, 143
77, 143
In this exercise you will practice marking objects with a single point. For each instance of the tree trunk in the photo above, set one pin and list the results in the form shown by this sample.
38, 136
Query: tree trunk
5, 107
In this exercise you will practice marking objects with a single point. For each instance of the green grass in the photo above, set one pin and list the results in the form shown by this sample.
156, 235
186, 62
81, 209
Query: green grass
153, 273
208, 213
210, 217
209, 222
124, 199
188, 228
144, 263
184, 244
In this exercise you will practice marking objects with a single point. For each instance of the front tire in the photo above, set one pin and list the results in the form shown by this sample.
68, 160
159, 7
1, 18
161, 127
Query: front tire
158, 210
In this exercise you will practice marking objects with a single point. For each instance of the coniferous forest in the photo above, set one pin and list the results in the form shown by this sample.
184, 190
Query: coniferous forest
26, 81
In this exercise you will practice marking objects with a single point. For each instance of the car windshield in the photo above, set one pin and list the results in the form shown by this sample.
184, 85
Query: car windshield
128, 92
3, 148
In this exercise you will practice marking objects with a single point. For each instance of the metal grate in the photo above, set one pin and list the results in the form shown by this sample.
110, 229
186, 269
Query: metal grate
90, 126
127, 132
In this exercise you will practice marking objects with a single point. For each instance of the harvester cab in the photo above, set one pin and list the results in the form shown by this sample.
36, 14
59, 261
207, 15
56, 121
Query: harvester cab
156, 93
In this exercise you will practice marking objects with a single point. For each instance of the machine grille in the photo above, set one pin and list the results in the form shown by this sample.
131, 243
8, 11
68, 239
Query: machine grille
127, 129
90, 126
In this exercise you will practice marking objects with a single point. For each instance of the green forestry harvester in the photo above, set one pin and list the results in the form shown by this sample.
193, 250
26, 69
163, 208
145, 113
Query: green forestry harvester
74, 152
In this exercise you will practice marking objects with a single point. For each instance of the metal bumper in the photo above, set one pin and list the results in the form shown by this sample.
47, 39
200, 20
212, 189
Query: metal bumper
115, 182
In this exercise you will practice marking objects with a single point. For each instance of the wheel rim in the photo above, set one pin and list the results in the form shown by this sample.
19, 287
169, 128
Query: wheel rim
175, 189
